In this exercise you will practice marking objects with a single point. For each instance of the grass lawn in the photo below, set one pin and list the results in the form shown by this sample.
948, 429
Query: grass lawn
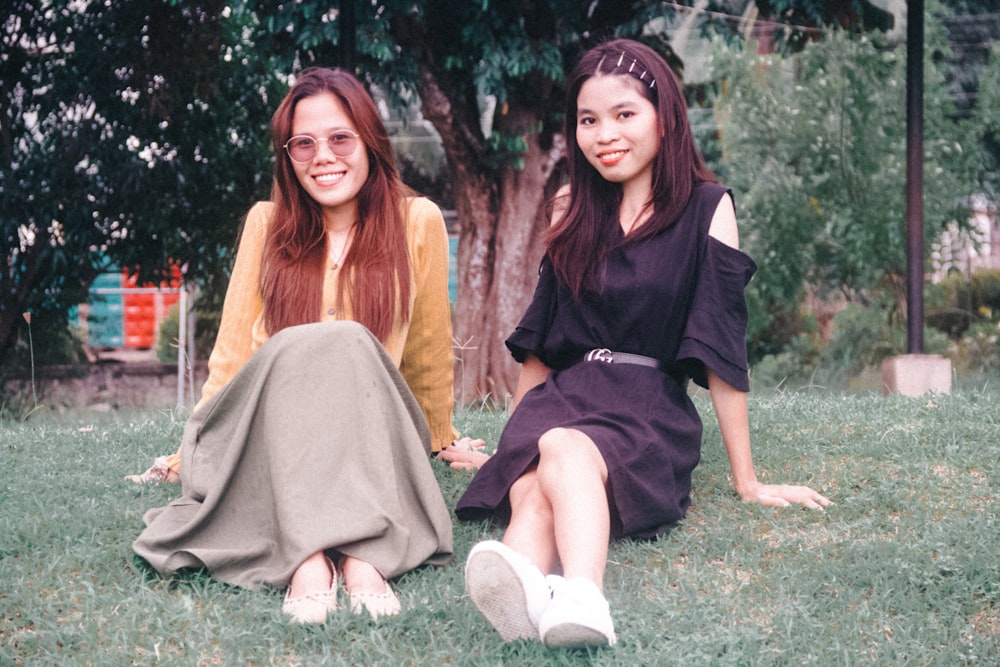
904, 568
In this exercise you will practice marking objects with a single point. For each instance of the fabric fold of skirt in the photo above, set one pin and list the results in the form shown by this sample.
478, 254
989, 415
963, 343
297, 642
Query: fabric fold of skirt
316, 444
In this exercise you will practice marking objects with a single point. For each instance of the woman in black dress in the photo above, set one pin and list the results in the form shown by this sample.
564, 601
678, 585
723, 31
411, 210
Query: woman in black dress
640, 289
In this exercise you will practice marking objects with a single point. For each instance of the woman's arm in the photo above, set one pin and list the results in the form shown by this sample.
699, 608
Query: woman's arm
467, 454
234, 341
243, 305
533, 373
734, 425
427, 357
731, 409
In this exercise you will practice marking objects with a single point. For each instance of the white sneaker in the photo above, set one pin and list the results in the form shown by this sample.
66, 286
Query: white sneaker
507, 588
577, 617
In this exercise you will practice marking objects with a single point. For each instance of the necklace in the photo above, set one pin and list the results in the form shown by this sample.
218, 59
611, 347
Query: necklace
343, 249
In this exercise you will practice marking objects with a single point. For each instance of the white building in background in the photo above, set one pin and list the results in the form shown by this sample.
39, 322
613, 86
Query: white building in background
966, 249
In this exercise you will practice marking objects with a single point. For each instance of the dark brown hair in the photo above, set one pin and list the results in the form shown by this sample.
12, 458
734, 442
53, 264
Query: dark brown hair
376, 269
578, 242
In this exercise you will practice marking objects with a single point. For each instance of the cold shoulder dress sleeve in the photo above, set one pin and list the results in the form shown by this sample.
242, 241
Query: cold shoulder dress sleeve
677, 297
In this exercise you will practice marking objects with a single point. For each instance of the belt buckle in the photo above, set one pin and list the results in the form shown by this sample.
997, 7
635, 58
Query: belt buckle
602, 354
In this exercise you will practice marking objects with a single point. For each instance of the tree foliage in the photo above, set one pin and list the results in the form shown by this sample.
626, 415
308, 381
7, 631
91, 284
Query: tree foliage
131, 134
815, 147
135, 133
489, 77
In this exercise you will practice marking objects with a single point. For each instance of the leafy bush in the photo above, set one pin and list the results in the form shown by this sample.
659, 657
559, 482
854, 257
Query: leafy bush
979, 349
948, 305
955, 304
52, 341
985, 289
863, 336
170, 326
793, 367
814, 148
206, 327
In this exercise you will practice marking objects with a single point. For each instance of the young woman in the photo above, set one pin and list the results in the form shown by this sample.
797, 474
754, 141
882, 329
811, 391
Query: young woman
306, 460
641, 287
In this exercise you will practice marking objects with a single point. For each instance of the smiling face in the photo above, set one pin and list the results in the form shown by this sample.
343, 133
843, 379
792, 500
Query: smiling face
617, 130
334, 182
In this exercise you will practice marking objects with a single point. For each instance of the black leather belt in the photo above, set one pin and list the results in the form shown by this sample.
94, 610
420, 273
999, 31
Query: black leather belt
610, 357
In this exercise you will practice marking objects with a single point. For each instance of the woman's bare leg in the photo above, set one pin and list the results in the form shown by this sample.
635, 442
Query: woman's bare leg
531, 531
572, 476
312, 576
360, 576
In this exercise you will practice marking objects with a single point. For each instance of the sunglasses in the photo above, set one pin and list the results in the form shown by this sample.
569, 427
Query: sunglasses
303, 148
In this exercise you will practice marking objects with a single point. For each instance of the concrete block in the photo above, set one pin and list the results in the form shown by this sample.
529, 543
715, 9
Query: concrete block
916, 374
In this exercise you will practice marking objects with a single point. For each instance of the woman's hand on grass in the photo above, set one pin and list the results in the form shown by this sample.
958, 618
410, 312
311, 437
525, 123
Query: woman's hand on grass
465, 454
160, 471
783, 495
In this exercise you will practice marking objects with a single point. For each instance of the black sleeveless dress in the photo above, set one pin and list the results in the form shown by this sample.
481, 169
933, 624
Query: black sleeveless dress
677, 297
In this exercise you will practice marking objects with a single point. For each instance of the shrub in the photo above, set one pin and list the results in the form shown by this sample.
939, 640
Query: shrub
170, 325
863, 336
794, 366
985, 288
978, 350
948, 305
955, 303
206, 327
53, 341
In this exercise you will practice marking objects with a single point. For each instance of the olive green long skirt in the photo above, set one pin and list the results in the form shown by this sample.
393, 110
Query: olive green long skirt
316, 444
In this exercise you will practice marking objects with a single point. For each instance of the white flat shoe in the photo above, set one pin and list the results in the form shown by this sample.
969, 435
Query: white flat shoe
312, 607
377, 604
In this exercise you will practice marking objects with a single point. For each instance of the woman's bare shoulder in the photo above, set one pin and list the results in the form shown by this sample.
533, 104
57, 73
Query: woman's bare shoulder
560, 203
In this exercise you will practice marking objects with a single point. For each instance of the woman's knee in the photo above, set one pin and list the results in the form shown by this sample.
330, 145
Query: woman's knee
559, 441
553, 440
308, 347
324, 333
526, 495
563, 450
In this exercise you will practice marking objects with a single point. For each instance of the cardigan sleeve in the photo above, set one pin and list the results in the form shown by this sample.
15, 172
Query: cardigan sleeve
427, 361
241, 308
243, 305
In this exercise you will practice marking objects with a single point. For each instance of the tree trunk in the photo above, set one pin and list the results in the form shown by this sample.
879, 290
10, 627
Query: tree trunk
498, 262
501, 214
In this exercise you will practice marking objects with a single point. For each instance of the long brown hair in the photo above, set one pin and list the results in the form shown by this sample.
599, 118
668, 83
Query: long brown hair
376, 269
579, 241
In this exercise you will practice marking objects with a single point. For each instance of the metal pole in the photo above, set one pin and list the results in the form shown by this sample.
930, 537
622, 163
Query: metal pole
915, 177
191, 357
181, 347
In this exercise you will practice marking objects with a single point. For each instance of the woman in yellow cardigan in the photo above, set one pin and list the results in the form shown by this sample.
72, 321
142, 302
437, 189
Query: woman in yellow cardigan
330, 383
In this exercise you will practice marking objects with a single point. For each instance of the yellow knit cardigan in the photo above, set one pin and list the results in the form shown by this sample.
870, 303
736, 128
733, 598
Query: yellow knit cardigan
421, 347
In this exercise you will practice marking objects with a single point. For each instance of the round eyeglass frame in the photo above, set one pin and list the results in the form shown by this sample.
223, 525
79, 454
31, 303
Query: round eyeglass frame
315, 145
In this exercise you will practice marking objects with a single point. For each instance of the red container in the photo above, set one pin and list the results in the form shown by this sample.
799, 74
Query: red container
144, 311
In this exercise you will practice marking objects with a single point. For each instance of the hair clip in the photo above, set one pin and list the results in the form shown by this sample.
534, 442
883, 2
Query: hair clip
635, 61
